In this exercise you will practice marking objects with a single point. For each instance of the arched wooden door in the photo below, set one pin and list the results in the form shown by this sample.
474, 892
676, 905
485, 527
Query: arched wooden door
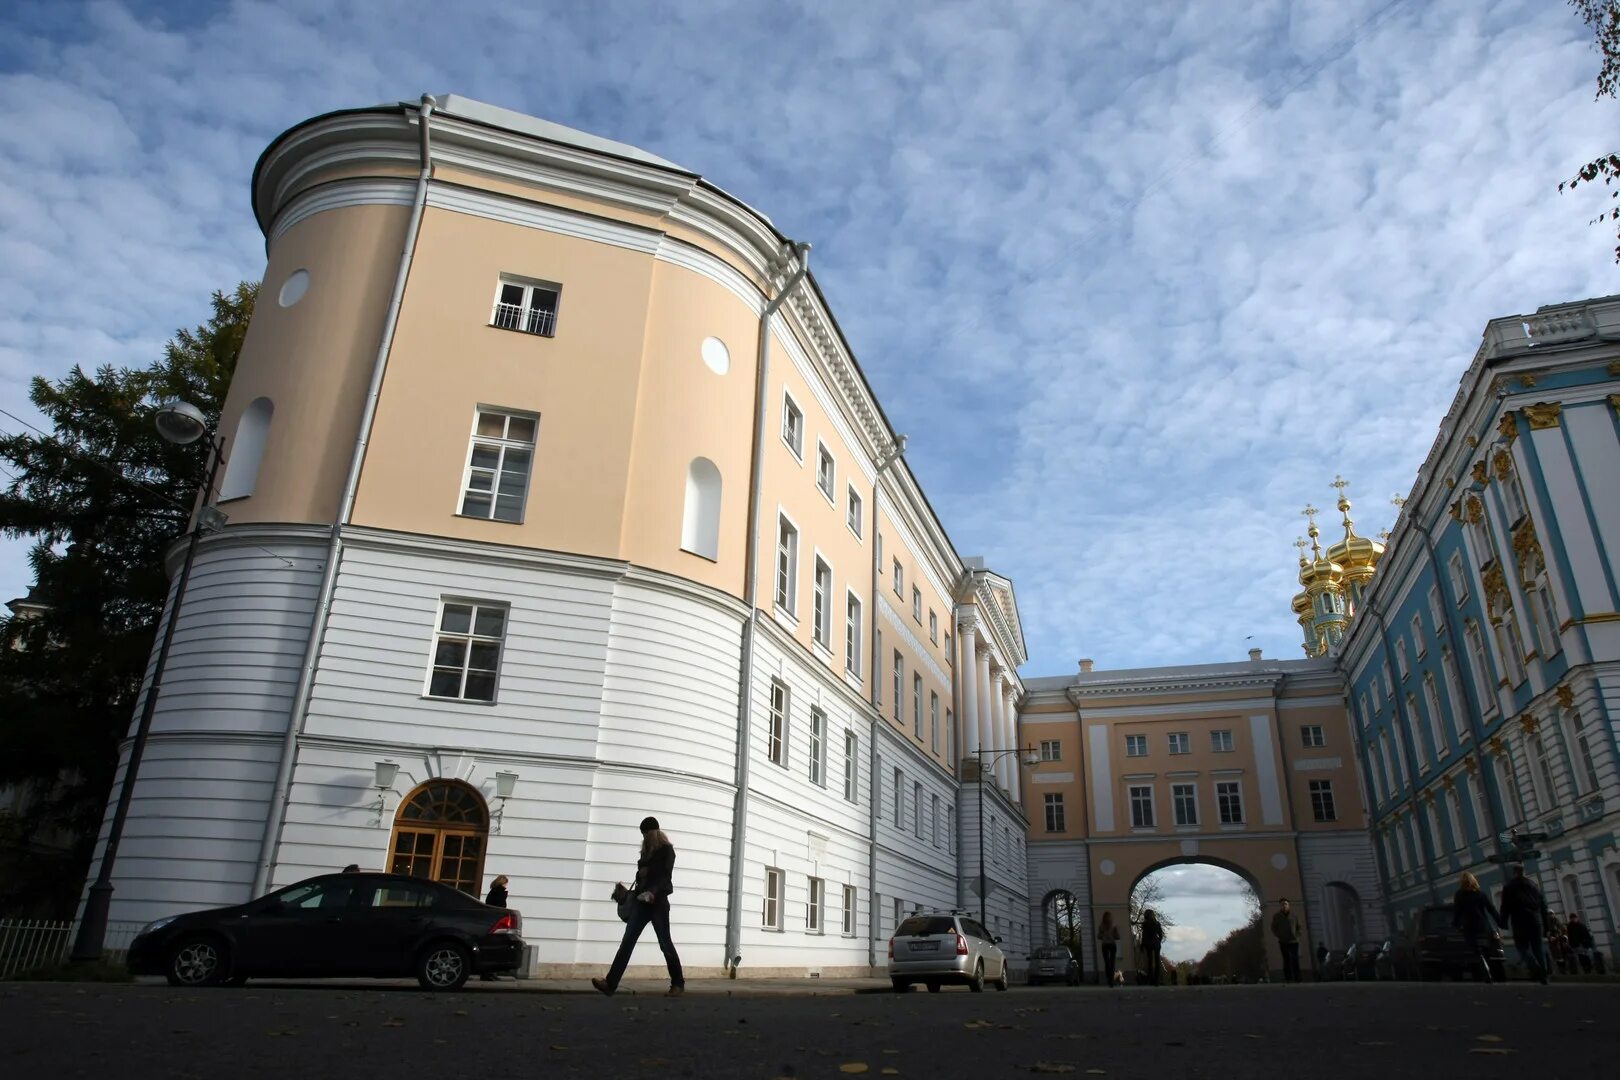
440, 833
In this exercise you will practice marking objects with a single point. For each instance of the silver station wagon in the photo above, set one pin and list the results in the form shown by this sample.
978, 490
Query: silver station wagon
935, 948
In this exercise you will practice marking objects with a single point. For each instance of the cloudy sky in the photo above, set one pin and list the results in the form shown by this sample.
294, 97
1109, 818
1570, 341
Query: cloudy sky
1203, 904
1137, 279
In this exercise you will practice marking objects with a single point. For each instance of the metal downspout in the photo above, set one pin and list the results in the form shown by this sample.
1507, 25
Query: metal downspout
276, 812
745, 678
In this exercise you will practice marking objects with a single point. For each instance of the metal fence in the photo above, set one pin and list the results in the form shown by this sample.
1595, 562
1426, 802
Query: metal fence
29, 944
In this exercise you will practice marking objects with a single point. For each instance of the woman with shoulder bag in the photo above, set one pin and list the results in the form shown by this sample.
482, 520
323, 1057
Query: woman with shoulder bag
1477, 918
1108, 934
654, 882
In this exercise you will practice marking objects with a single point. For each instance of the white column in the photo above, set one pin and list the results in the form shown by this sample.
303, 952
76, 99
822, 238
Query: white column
1013, 735
987, 733
998, 691
967, 710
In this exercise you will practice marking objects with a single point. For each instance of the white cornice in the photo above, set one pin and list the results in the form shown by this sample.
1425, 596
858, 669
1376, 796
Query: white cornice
340, 194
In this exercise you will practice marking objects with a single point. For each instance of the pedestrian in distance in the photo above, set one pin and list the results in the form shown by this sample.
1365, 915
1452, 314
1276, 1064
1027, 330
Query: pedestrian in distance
654, 882
1152, 942
1321, 961
1286, 929
1582, 944
1108, 935
1525, 910
1477, 918
352, 868
497, 892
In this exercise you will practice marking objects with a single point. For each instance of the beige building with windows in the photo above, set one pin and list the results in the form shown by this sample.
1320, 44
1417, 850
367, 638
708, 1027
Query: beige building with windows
556, 498
1246, 766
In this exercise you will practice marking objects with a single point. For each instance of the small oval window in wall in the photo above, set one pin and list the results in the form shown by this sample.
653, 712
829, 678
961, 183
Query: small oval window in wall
700, 525
247, 450
716, 355
294, 288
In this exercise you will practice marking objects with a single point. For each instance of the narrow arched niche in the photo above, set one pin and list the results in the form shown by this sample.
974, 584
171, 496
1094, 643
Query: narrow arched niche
700, 524
247, 450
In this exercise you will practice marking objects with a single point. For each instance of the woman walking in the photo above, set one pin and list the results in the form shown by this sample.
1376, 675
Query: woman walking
497, 892
1477, 918
1152, 942
654, 882
1108, 934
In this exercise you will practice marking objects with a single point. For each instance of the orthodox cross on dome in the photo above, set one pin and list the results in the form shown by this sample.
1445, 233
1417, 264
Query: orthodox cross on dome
1300, 542
1397, 500
1309, 513
1344, 505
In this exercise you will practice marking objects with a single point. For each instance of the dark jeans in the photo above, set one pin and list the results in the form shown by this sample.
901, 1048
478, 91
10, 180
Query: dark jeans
1152, 953
1110, 952
656, 913
1290, 953
1532, 946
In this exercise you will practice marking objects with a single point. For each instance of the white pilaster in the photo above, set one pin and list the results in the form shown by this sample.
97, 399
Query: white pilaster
968, 708
986, 731
1013, 735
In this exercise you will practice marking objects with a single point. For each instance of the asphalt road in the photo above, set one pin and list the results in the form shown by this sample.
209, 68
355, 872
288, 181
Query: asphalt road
56, 1030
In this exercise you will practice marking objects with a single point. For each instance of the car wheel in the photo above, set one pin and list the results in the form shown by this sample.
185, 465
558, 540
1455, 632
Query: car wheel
196, 961
1001, 980
933, 986
976, 984
900, 985
444, 965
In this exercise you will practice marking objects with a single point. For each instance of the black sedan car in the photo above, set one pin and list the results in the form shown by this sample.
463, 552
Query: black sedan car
1369, 961
337, 925
1053, 963
1440, 950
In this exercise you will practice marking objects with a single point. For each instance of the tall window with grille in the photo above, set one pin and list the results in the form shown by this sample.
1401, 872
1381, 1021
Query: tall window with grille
777, 736
527, 306
916, 605
1419, 642
1459, 579
1229, 801
467, 650
822, 602
1583, 750
1437, 727
899, 796
793, 426
1457, 704
1141, 800
818, 747
1322, 808
787, 564
852, 766
772, 914
812, 911
916, 706
934, 835
855, 512
495, 483
899, 681
916, 810
1184, 798
826, 472
899, 579
1054, 812
849, 911
933, 721
1479, 664
852, 635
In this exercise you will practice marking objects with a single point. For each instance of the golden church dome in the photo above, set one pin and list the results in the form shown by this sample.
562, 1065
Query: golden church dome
1356, 554
1319, 572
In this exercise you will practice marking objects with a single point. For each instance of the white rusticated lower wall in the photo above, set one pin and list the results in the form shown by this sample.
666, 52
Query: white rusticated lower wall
1339, 873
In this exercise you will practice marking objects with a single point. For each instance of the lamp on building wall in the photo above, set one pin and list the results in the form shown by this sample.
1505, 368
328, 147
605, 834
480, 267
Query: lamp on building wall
1032, 757
181, 423
505, 784
384, 774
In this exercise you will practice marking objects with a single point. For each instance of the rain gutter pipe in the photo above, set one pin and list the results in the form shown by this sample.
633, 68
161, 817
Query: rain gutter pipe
276, 813
739, 811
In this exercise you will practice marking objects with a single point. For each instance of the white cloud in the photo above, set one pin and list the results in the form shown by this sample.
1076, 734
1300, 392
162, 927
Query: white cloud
1138, 281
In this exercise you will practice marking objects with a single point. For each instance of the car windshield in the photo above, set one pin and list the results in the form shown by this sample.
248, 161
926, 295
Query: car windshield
923, 925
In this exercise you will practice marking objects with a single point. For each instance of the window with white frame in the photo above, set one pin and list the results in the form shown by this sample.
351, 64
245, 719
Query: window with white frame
1184, 799
916, 810
1229, 801
1415, 714
1454, 811
787, 565
950, 737
899, 579
916, 605
467, 650
1400, 657
1180, 742
821, 614
852, 767
1377, 695
1512, 794
1513, 496
1481, 800
1389, 684
826, 472
849, 911
852, 634
916, 706
1054, 812
1365, 711
500, 457
899, 681
526, 306
1322, 808
1583, 750
1541, 776
899, 810
1479, 530
1511, 648
1437, 728
934, 836
877, 673
1375, 774
1051, 750
793, 426
1479, 664
1437, 611
1418, 641
933, 628
1459, 579
771, 916
933, 721
1311, 736
1141, 798
777, 735
1457, 703
855, 513
1541, 602
1221, 742
1136, 746
818, 747
812, 910
950, 657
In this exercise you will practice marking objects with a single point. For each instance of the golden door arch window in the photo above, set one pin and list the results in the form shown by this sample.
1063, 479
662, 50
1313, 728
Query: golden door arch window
440, 833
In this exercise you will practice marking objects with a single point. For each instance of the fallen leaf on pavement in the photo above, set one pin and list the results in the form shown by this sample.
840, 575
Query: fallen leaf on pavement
1490, 1050
1487, 1038
555, 1047
393, 1021
889, 1070
978, 1024
1051, 1067
853, 1067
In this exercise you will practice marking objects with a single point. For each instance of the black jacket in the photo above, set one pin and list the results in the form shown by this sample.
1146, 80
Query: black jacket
1475, 915
1524, 907
655, 872
497, 896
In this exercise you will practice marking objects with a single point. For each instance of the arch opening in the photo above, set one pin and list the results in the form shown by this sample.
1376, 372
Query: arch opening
1210, 914
441, 831
700, 523
246, 453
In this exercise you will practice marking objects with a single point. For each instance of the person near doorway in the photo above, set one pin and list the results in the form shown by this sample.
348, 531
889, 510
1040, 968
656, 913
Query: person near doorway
352, 868
1582, 944
1108, 935
1525, 909
1152, 942
1286, 929
496, 898
1477, 918
654, 882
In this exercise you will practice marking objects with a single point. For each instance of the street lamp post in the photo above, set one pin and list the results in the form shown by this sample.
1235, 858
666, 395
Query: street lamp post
180, 423
1032, 757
